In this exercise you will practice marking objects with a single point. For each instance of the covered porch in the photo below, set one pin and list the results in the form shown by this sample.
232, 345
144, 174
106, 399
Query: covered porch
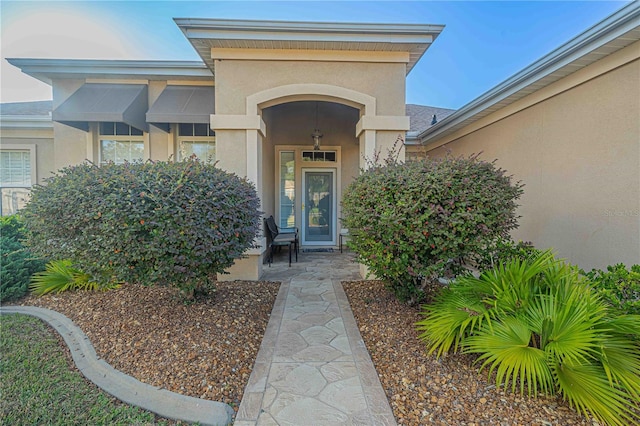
300, 107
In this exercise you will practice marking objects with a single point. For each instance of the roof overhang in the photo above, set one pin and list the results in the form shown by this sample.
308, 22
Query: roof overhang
26, 122
208, 34
608, 36
47, 70
182, 104
94, 102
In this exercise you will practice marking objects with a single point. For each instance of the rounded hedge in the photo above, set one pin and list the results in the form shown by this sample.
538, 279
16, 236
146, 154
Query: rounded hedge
152, 222
411, 222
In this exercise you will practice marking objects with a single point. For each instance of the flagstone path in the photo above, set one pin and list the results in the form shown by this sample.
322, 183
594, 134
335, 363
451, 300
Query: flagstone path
313, 367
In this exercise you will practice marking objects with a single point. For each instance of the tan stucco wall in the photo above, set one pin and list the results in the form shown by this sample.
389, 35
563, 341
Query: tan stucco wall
241, 87
238, 79
578, 153
159, 140
70, 143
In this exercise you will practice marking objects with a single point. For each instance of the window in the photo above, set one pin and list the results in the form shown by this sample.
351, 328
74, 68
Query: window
196, 139
287, 189
120, 142
15, 179
319, 156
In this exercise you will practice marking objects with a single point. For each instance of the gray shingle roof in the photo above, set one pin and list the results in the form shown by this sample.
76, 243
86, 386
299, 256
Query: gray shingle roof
26, 108
421, 116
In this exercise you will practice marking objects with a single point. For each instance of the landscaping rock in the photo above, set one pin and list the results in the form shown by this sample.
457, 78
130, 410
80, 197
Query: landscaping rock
424, 390
205, 349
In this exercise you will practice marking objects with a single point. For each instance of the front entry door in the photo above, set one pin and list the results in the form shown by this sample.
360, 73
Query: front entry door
319, 207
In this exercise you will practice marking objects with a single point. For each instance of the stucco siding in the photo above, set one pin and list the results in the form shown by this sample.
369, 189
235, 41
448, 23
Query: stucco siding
578, 154
159, 140
235, 80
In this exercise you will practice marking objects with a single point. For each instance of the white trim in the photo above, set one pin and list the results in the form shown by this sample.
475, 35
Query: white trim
32, 158
309, 55
314, 92
46, 70
198, 83
204, 34
26, 122
277, 214
265, 26
208, 140
238, 122
144, 138
334, 213
382, 122
299, 165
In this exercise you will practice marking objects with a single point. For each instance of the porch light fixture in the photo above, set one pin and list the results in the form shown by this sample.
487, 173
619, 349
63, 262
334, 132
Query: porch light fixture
317, 134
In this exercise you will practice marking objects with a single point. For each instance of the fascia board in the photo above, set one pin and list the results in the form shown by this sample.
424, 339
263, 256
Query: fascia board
249, 26
26, 121
48, 69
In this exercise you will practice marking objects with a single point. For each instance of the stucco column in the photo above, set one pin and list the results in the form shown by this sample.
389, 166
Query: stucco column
239, 151
367, 147
377, 135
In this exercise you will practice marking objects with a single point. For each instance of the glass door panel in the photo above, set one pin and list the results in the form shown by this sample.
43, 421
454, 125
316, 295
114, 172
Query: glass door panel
319, 210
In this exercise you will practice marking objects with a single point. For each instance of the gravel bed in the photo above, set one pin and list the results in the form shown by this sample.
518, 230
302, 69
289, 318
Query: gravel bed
425, 391
205, 349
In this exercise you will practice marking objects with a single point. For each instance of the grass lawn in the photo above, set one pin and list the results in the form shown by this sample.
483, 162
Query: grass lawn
37, 385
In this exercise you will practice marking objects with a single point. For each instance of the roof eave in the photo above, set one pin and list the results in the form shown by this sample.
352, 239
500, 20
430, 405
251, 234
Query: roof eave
46, 70
26, 122
278, 33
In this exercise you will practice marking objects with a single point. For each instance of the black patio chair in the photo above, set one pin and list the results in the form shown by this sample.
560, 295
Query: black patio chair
280, 237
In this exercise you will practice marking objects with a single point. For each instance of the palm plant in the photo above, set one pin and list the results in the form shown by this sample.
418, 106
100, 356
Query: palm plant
539, 325
60, 275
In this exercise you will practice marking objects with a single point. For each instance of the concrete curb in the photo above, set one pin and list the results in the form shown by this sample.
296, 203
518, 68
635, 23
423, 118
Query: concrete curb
127, 389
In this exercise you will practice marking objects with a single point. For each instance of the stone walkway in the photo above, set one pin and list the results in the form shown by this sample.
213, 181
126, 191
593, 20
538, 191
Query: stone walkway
313, 367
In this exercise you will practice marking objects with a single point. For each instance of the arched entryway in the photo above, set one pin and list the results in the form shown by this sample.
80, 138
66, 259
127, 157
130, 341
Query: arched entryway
306, 184
277, 129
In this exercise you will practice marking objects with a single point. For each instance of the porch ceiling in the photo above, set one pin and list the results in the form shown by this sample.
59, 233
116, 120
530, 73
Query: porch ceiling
205, 34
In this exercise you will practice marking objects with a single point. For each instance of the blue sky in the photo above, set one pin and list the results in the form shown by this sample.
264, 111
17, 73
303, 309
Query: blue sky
482, 44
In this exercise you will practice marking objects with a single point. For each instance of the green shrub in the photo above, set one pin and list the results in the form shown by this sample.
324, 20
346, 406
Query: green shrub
60, 275
500, 250
618, 286
540, 325
17, 264
153, 222
411, 222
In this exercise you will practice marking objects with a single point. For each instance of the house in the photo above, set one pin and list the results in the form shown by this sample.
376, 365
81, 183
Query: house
293, 106
296, 107
568, 127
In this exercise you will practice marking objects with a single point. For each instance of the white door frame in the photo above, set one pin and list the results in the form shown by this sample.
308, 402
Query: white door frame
334, 212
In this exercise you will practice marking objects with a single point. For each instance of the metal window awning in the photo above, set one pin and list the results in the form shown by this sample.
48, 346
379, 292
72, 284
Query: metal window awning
98, 102
182, 104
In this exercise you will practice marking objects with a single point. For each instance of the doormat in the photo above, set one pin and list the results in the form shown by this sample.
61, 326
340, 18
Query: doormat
318, 250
